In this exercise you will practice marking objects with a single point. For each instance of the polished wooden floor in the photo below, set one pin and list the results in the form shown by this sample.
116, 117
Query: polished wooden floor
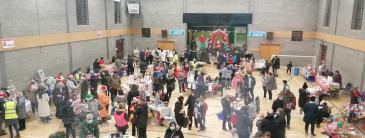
214, 126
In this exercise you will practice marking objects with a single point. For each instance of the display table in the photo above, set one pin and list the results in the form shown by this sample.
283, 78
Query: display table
321, 83
111, 135
165, 113
260, 64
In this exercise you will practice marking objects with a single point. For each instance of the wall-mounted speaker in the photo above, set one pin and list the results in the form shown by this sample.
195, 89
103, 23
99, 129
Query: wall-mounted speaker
269, 35
164, 33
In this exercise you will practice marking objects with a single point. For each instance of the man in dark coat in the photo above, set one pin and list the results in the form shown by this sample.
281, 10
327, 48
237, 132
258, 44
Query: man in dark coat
243, 123
142, 119
249, 83
227, 110
310, 115
303, 97
190, 102
131, 94
68, 119
143, 67
280, 124
170, 85
84, 88
180, 112
60, 93
267, 124
130, 65
278, 103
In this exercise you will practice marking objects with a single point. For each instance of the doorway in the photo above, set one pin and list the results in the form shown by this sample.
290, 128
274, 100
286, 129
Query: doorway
323, 53
119, 45
267, 50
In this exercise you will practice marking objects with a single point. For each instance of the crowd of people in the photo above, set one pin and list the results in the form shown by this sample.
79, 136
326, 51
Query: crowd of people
85, 100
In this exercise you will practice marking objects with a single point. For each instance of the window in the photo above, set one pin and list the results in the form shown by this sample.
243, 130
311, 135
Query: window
82, 12
357, 14
117, 10
327, 14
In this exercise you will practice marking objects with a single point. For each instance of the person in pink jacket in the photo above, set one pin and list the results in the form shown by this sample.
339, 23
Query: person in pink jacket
238, 77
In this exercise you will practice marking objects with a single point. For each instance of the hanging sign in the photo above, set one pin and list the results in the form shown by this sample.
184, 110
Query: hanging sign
8, 42
256, 34
176, 32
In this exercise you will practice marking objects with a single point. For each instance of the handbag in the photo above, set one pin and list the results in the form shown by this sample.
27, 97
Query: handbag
220, 115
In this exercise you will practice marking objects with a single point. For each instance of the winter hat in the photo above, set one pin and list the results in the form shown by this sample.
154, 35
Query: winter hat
89, 96
89, 116
70, 76
104, 88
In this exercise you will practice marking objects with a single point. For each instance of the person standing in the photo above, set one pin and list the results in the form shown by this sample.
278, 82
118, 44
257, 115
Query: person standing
84, 87
285, 85
278, 103
249, 83
179, 111
289, 104
68, 119
228, 77
30, 94
227, 111
44, 111
131, 94
89, 127
114, 83
303, 97
243, 122
270, 84
130, 65
121, 119
280, 123
288, 67
202, 111
21, 110
170, 84
3, 96
143, 67
104, 101
173, 131
142, 118
268, 124
310, 115
190, 102
11, 118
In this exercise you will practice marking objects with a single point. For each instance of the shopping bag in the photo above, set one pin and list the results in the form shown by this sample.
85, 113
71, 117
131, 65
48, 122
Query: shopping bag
220, 115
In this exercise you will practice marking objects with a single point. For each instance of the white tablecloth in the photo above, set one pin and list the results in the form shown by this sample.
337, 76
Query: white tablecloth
259, 65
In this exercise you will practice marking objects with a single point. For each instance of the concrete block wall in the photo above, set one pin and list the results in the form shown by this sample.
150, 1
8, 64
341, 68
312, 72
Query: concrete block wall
348, 61
21, 18
22, 65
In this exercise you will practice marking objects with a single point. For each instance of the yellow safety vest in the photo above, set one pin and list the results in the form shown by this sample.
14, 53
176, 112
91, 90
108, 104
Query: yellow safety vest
10, 110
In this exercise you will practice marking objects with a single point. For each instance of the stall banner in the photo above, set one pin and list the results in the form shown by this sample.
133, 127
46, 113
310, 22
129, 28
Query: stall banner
8, 43
176, 32
256, 34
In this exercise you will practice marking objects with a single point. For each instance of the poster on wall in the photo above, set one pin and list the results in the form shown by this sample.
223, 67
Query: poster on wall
297, 36
133, 8
256, 34
8, 43
176, 32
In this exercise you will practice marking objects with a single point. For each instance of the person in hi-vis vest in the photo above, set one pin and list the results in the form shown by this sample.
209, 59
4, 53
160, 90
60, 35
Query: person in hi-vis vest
11, 117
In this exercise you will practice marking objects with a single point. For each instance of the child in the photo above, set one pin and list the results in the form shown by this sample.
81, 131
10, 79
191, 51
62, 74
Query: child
217, 86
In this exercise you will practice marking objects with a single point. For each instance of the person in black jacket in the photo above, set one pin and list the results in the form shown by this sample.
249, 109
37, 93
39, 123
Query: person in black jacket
190, 102
94, 85
267, 125
142, 119
280, 124
143, 67
278, 103
68, 119
310, 115
173, 131
179, 111
170, 85
303, 97
96, 65
227, 110
131, 94
130, 65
